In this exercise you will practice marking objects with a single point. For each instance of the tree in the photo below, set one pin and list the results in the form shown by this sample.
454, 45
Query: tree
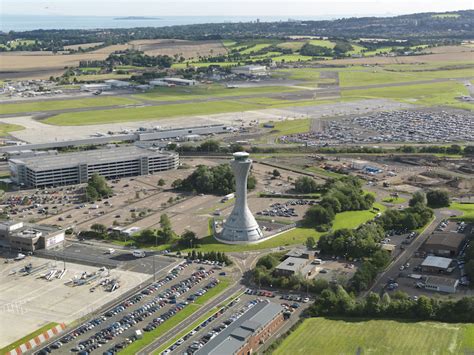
418, 197
306, 185
161, 182
276, 173
188, 239
209, 146
317, 215
310, 243
437, 198
147, 236
99, 228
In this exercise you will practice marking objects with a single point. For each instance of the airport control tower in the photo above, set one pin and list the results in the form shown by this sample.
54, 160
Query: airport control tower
241, 226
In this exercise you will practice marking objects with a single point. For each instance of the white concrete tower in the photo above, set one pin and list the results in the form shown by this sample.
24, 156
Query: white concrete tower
241, 226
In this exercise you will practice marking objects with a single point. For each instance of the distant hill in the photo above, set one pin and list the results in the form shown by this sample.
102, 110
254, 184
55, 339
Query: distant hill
429, 27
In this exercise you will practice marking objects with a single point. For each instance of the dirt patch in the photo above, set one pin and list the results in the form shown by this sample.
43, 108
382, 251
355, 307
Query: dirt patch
83, 46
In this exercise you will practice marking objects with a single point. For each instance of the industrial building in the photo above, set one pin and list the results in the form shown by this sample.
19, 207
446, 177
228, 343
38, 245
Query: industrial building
29, 237
251, 70
447, 244
245, 335
78, 167
95, 87
435, 264
441, 284
173, 81
241, 226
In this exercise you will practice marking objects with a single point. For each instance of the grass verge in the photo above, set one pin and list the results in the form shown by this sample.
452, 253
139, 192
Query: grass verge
6, 128
467, 210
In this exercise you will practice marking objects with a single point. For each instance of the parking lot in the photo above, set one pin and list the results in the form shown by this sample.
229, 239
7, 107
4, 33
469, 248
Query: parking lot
28, 302
116, 328
412, 277
414, 126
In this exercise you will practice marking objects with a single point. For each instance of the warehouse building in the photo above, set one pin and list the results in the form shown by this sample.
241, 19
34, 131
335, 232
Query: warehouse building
441, 284
245, 335
29, 237
447, 244
435, 264
250, 70
78, 167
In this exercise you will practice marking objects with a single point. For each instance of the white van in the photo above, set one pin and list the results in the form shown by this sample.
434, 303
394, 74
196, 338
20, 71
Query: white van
139, 253
317, 261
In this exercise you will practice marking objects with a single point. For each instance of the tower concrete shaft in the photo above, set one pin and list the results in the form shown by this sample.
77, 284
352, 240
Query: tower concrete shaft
241, 226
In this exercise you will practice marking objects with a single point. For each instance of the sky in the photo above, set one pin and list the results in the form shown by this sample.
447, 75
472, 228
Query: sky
229, 7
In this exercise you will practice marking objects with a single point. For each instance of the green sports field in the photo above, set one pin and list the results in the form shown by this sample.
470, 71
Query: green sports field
326, 336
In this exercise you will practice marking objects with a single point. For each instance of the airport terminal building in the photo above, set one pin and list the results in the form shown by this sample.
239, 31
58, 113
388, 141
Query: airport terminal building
77, 167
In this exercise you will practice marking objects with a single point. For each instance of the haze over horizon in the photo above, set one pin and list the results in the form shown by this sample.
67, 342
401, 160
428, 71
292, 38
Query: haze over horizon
262, 8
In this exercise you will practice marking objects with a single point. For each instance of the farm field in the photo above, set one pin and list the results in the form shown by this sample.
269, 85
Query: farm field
49, 105
323, 336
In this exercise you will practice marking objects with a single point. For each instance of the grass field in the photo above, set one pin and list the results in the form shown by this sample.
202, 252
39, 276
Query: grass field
394, 200
322, 43
288, 127
327, 336
381, 76
350, 219
466, 208
204, 92
49, 105
322, 172
435, 94
441, 16
17, 343
6, 128
147, 113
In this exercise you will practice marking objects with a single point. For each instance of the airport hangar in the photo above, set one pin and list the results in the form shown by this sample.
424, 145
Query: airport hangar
78, 167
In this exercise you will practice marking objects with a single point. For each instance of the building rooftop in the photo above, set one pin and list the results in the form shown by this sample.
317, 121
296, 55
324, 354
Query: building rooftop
292, 264
441, 281
436, 261
98, 156
447, 239
231, 339
299, 252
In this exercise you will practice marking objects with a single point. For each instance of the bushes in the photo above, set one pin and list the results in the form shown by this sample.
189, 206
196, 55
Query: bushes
97, 188
212, 256
342, 195
407, 219
437, 198
306, 185
336, 301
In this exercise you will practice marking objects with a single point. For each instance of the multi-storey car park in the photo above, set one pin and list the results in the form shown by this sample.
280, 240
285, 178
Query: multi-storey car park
77, 167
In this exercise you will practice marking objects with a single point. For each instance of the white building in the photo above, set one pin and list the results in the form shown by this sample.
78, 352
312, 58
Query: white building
95, 87
251, 70
118, 83
441, 284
